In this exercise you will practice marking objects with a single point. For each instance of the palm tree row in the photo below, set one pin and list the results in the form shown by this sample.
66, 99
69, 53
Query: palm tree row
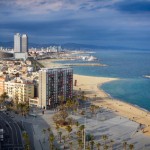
26, 141
78, 134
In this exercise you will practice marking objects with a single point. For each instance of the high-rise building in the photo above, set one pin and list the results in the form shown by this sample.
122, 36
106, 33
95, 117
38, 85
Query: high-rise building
24, 43
17, 42
54, 83
20, 43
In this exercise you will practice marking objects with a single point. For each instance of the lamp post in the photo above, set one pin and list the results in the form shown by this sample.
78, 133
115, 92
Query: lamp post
84, 133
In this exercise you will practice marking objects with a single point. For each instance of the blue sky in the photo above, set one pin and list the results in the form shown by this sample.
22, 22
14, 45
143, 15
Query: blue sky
101, 22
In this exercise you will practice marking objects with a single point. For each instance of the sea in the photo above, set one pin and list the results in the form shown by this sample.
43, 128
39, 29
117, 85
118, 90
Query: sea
130, 66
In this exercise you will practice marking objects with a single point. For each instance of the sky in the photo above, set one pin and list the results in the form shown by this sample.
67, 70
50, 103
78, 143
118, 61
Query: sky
123, 23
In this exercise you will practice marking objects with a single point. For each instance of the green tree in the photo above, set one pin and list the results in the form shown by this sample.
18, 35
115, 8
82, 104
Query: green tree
80, 144
131, 146
51, 140
92, 144
77, 124
69, 129
125, 145
105, 137
3, 98
49, 130
70, 121
81, 128
111, 143
70, 145
98, 145
26, 140
64, 139
60, 134
106, 147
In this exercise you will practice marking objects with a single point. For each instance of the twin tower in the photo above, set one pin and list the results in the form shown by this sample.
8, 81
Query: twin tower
20, 43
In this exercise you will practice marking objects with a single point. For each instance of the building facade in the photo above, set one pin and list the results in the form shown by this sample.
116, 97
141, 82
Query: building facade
2, 83
24, 43
55, 83
17, 43
19, 92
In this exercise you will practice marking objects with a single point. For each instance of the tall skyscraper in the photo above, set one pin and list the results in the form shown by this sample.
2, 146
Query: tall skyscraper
17, 42
54, 83
24, 43
20, 43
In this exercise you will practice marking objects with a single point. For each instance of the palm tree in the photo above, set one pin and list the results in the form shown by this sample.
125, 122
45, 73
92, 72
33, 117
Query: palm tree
77, 124
44, 132
125, 145
61, 99
79, 134
69, 129
88, 148
106, 147
70, 145
26, 139
92, 144
64, 139
82, 127
70, 121
105, 137
57, 128
131, 146
98, 145
3, 97
60, 134
51, 140
20, 107
49, 130
80, 143
92, 109
111, 142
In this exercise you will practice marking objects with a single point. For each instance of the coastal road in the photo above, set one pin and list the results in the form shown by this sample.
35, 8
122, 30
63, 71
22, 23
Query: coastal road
12, 133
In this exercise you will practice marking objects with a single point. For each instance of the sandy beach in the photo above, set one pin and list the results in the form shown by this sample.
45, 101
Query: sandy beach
90, 85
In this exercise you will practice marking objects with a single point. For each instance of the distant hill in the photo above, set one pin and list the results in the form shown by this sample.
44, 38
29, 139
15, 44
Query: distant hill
72, 46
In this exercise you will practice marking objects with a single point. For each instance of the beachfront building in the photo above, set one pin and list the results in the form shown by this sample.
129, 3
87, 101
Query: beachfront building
54, 83
2, 82
19, 90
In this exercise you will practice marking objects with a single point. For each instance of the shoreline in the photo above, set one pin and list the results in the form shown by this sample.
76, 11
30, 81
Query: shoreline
92, 87
103, 99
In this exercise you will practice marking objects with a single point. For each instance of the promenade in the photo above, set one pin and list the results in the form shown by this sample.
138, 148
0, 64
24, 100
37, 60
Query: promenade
106, 122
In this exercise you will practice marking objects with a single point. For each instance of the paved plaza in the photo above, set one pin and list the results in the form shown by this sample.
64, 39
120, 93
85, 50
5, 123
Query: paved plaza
105, 122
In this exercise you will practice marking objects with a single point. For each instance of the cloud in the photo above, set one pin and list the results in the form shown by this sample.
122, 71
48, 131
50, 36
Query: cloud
45, 6
98, 22
135, 6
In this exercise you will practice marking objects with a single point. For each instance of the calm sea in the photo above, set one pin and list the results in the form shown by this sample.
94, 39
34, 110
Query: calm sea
130, 67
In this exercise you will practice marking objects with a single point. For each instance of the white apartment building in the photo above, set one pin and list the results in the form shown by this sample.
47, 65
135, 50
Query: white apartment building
19, 91
53, 84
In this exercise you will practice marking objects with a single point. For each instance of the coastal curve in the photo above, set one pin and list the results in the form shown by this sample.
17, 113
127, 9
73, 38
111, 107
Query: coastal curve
90, 85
